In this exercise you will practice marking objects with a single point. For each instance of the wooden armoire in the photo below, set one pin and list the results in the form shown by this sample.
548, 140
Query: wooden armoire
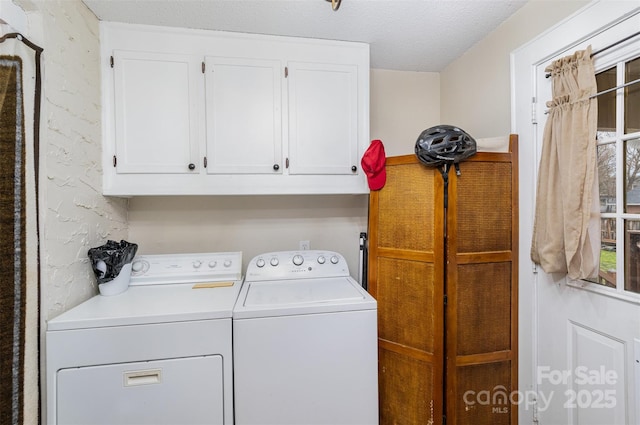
446, 282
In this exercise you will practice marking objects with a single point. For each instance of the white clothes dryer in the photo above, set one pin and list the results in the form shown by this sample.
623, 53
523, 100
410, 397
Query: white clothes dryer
305, 343
158, 353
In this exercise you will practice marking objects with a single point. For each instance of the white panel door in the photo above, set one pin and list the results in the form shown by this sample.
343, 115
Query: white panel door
175, 391
323, 114
244, 116
156, 112
598, 382
581, 363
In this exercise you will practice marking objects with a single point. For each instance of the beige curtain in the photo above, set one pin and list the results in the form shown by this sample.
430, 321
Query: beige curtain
566, 229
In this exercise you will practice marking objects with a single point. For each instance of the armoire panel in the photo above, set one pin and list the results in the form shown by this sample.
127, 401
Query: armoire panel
406, 209
446, 284
407, 389
415, 327
483, 394
484, 202
483, 297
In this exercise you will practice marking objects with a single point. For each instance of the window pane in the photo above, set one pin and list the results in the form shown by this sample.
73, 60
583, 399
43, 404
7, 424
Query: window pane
632, 256
605, 135
607, 177
632, 176
632, 97
606, 102
608, 264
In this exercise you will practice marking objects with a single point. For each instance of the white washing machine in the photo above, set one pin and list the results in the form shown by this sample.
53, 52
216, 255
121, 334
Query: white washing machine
305, 343
158, 353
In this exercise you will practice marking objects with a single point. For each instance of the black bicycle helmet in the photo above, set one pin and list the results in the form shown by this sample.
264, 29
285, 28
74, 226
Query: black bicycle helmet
444, 144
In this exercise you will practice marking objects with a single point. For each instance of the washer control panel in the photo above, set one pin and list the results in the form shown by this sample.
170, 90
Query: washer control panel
309, 264
186, 268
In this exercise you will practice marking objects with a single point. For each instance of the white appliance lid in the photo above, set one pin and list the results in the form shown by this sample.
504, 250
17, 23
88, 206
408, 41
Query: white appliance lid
305, 296
149, 304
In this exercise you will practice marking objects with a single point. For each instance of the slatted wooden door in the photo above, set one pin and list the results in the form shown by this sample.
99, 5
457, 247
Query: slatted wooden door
482, 274
405, 276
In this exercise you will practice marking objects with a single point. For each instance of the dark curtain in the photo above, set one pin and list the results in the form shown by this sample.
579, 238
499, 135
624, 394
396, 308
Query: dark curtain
19, 87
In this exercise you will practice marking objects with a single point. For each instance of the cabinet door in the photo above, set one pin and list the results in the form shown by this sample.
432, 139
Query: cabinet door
155, 112
244, 116
323, 115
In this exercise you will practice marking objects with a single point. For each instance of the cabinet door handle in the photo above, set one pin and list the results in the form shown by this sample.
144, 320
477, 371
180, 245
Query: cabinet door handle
354, 168
192, 166
276, 167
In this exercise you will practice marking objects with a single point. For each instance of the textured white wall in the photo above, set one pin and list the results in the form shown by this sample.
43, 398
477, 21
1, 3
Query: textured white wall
74, 214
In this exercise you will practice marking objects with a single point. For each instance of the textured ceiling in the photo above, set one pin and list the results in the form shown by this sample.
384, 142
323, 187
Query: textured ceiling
408, 35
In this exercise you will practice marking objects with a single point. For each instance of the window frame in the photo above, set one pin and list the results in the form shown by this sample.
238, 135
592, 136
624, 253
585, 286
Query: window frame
618, 58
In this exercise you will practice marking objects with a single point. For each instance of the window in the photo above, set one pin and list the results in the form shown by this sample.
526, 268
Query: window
618, 140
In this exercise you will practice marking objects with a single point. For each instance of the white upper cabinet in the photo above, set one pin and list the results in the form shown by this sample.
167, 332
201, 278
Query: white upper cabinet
244, 116
155, 110
192, 112
323, 118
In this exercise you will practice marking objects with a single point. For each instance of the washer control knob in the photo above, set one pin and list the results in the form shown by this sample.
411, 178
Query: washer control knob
334, 259
197, 264
274, 261
260, 262
227, 263
137, 266
298, 259
321, 259
213, 264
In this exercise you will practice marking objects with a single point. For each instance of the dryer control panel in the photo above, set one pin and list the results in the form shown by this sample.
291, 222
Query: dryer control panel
309, 264
186, 268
